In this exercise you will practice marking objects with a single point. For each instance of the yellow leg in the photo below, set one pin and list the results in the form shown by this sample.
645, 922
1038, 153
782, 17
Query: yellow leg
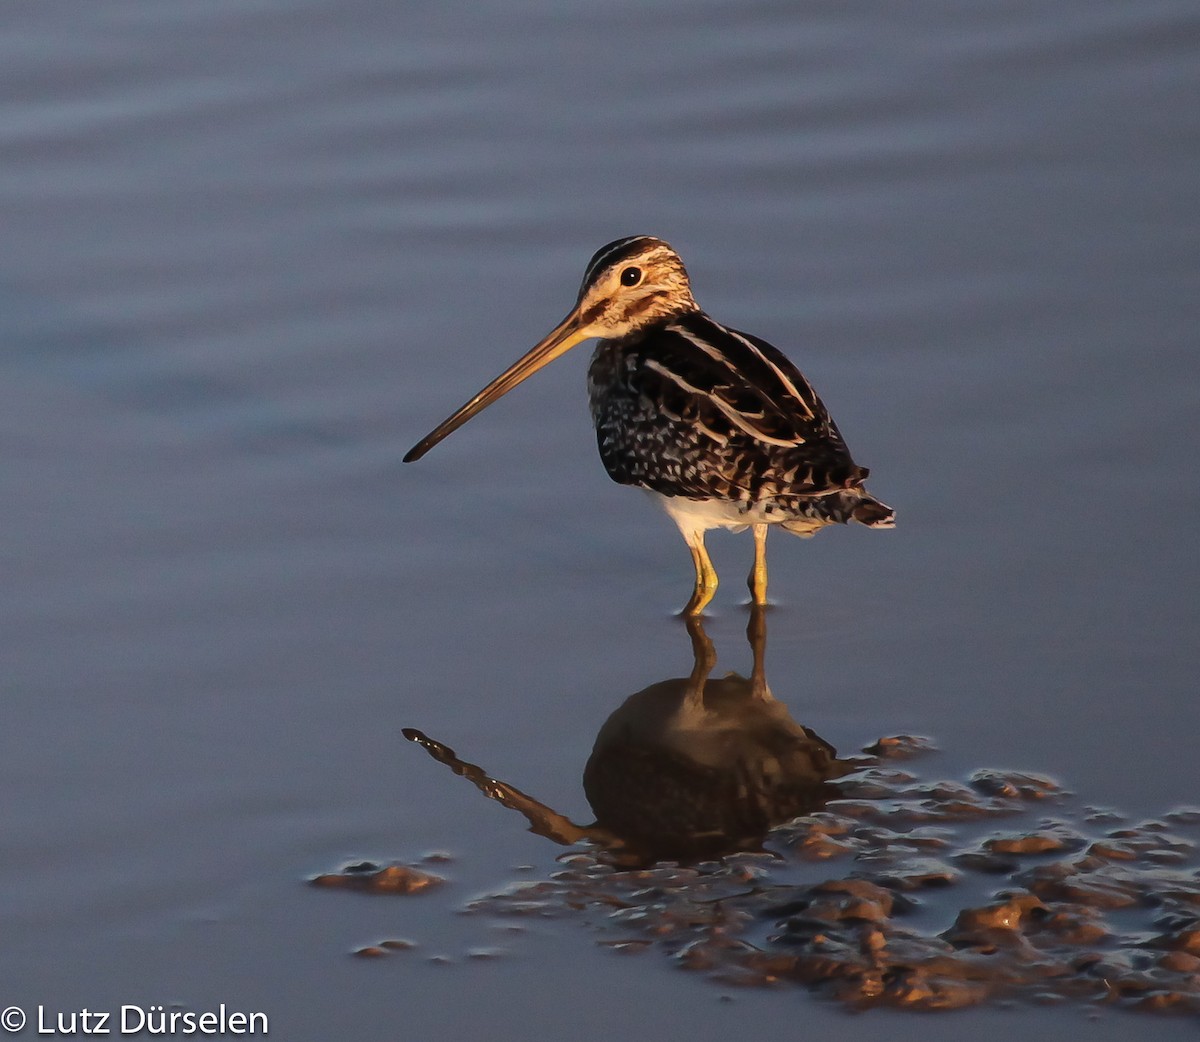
758, 574
706, 575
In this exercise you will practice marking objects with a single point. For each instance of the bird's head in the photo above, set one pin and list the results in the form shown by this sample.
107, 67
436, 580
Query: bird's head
628, 285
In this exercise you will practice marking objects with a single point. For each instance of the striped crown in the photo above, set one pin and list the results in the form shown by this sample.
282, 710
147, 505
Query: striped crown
632, 283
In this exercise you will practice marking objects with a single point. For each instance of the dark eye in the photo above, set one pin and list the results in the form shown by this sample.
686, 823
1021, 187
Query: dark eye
631, 276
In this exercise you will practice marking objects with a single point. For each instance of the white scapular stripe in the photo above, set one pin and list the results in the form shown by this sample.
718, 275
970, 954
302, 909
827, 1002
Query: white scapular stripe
717, 355
735, 417
789, 386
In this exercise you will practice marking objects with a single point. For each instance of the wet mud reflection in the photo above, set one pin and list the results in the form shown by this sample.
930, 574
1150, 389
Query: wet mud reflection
737, 843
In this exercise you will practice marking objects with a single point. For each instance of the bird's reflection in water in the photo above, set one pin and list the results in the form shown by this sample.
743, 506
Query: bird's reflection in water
686, 769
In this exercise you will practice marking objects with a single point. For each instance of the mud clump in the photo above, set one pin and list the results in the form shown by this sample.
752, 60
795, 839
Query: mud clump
369, 878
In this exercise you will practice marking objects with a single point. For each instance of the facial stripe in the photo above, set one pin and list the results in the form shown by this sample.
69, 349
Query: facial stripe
604, 255
638, 249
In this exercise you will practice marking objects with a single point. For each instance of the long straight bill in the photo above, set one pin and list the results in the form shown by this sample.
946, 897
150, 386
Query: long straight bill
561, 339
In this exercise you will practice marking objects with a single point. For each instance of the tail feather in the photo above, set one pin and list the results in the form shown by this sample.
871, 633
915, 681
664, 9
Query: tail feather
815, 512
873, 514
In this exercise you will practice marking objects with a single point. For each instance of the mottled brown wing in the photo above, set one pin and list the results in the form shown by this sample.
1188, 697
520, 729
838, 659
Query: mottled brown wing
695, 409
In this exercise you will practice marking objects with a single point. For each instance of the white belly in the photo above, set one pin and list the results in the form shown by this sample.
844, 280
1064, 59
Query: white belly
699, 515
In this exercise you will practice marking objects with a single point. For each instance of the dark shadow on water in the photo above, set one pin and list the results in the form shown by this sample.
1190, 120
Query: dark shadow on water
686, 769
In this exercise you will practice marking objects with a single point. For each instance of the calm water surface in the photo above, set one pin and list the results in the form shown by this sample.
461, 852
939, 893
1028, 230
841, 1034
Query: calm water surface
252, 251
